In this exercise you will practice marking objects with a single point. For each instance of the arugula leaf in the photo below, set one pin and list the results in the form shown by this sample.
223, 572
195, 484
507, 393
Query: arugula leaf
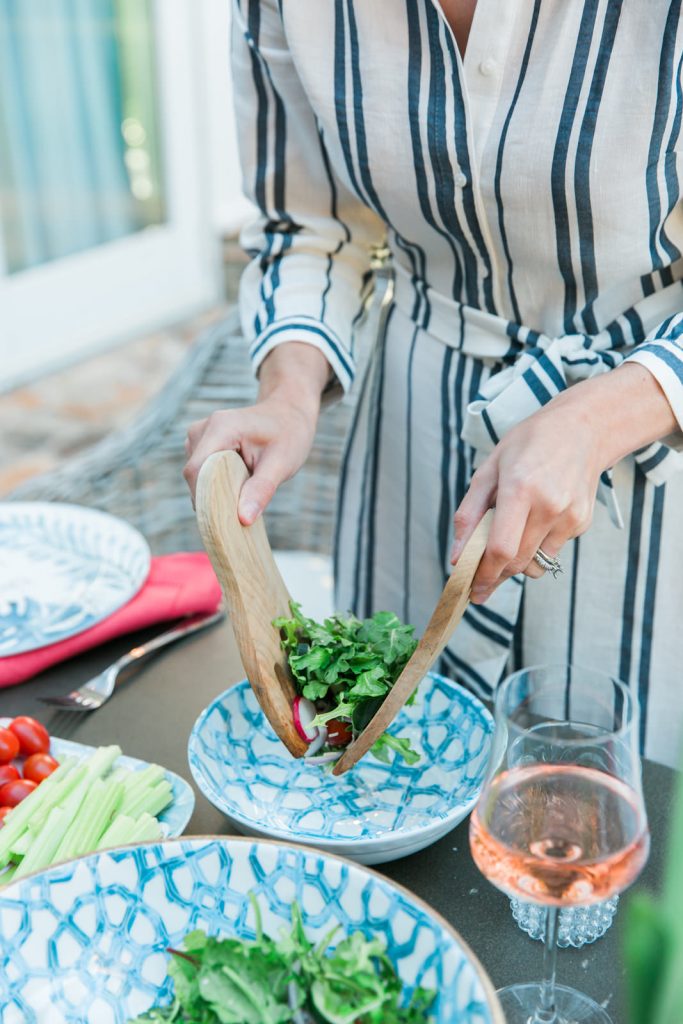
381, 747
340, 711
369, 684
315, 690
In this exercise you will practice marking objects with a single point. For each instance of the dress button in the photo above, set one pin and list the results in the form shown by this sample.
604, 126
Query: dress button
460, 179
488, 67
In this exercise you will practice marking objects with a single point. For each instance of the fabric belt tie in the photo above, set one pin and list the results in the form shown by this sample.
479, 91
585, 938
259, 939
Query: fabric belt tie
538, 367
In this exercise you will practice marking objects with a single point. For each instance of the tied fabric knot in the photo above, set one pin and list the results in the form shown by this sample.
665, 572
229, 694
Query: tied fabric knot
541, 372
538, 366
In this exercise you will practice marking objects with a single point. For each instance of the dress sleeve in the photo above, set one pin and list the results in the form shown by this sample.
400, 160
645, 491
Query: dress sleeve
662, 354
311, 245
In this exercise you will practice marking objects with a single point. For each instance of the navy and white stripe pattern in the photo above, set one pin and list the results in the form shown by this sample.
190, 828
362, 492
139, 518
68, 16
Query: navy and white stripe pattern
531, 197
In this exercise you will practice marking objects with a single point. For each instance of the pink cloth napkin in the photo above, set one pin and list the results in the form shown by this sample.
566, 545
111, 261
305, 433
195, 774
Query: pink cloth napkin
177, 585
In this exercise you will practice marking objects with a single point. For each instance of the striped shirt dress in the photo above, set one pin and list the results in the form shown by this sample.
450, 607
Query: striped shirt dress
530, 196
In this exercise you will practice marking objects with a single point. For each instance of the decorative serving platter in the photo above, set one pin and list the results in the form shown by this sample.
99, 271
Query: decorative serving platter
63, 568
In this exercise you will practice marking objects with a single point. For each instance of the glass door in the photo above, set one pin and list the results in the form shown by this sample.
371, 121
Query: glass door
104, 224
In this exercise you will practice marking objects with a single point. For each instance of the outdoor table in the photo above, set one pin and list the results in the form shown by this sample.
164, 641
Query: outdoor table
150, 716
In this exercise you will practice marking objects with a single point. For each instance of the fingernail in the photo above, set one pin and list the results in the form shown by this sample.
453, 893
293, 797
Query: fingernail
479, 595
248, 512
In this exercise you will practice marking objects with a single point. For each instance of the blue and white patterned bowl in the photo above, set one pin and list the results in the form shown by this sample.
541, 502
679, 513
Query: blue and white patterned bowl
86, 941
63, 568
375, 812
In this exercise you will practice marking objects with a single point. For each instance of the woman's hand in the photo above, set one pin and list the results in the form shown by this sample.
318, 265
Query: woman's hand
543, 476
275, 435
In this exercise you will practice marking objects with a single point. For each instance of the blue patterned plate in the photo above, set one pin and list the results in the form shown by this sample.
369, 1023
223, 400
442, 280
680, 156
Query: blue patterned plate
62, 569
375, 812
172, 820
86, 941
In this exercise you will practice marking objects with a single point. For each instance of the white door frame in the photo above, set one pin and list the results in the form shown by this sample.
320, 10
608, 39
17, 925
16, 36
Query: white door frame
59, 312
230, 209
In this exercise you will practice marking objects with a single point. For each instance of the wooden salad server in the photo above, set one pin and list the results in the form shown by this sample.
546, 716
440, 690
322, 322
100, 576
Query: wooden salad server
449, 610
254, 590
255, 594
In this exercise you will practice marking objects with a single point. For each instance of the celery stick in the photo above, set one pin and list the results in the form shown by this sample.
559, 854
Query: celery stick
41, 852
146, 828
93, 818
158, 799
117, 834
152, 800
126, 830
35, 809
99, 763
20, 848
139, 782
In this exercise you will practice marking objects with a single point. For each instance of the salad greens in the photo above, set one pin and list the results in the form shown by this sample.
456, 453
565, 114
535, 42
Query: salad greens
347, 666
264, 981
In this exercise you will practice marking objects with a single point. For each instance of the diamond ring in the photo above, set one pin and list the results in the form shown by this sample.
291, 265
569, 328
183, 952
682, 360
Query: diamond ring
547, 563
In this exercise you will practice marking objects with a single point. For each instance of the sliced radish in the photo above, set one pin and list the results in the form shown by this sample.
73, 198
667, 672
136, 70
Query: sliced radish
318, 742
331, 755
303, 712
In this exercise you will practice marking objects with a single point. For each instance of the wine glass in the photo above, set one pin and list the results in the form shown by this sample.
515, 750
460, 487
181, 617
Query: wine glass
561, 819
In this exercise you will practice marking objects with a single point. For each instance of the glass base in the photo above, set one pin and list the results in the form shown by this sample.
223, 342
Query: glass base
576, 925
519, 1004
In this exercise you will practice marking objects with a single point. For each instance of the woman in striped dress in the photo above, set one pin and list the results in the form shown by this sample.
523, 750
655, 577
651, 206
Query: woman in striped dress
525, 161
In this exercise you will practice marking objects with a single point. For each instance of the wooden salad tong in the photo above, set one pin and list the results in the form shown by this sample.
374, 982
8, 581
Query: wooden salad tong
255, 594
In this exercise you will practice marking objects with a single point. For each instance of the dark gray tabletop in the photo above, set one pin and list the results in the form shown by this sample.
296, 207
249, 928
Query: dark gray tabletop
151, 716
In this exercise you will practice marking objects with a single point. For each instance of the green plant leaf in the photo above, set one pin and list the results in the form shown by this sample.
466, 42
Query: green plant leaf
646, 949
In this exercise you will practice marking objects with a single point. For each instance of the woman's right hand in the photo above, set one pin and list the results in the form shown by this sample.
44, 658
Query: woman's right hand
274, 436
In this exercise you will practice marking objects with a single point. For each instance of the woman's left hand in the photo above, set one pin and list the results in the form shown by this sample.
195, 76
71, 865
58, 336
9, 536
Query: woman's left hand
542, 478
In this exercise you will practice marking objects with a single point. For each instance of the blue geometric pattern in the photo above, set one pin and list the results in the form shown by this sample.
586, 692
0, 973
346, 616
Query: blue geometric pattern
62, 569
86, 941
375, 812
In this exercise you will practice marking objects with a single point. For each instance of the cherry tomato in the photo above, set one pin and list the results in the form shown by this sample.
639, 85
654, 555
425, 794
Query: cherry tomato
33, 737
12, 793
9, 746
338, 732
8, 773
4, 811
38, 766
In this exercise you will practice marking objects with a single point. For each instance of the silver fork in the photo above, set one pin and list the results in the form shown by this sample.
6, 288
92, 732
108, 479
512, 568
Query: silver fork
99, 689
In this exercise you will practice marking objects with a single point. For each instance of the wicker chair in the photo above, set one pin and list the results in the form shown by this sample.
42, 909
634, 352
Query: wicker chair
136, 473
